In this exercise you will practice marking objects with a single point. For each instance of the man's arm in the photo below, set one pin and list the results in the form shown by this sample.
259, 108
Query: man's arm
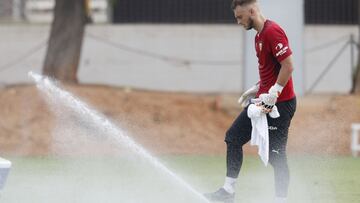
285, 71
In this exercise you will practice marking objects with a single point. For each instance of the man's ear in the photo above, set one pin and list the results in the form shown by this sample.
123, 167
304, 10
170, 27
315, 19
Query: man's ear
252, 11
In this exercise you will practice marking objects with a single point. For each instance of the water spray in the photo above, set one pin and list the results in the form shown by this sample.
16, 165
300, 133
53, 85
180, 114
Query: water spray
53, 91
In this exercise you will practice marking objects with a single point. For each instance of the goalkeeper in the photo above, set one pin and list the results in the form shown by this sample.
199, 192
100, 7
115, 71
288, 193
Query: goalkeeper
275, 87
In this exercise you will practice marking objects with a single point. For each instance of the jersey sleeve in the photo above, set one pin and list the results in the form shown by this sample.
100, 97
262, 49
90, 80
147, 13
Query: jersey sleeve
279, 44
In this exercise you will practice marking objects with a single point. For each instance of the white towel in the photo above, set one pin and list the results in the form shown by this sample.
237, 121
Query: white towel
260, 129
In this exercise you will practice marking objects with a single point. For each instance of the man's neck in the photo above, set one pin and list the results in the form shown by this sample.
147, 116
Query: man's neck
259, 23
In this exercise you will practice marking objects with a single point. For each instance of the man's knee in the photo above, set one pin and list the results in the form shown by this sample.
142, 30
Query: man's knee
229, 137
237, 137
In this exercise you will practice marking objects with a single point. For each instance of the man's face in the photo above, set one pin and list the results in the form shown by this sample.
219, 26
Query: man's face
243, 17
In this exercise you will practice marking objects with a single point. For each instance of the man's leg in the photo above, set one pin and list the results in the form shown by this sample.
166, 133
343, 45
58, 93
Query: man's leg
278, 135
237, 135
278, 159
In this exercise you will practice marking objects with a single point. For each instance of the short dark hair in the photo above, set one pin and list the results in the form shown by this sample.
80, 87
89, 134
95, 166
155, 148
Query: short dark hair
235, 3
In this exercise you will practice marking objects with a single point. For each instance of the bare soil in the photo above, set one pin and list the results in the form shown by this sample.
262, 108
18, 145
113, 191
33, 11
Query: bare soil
173, 123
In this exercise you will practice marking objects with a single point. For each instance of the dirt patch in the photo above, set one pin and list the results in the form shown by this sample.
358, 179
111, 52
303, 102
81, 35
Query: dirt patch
173, 123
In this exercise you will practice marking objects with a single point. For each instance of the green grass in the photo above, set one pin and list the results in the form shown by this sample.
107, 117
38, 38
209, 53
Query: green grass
133, 180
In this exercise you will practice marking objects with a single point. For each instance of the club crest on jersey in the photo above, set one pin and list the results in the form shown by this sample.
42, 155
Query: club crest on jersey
260, 45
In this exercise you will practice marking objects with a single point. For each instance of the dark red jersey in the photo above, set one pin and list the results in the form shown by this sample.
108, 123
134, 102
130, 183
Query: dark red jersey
272, 47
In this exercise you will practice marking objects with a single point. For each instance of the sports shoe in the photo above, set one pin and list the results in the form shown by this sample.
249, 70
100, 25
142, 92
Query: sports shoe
221, 195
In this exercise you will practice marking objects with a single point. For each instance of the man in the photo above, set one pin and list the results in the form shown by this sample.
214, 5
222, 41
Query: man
276, 88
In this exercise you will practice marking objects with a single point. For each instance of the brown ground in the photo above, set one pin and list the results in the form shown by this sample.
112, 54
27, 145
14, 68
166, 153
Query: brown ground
173, 123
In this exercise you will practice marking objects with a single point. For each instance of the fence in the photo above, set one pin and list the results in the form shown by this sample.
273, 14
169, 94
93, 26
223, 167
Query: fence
173, 11
42, 10
347, 42
331, 11
177, 11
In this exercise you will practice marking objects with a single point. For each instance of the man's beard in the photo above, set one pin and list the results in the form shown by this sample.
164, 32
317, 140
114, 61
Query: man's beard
250, 24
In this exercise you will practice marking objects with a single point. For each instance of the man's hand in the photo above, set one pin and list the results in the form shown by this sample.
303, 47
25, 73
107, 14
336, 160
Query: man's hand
269, 100
249, 94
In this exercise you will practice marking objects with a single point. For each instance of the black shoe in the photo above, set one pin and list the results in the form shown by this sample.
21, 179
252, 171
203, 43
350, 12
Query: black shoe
221, 195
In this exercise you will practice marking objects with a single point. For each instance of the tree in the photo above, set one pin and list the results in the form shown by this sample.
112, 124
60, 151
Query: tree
355, 89
66, 37
356, 74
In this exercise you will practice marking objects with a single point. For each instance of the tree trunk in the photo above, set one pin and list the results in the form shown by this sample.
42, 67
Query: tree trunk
22, 10
356, 80
356, 75
64, 48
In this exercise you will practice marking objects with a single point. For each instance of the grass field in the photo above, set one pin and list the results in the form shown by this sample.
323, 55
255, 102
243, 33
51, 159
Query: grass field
133, 180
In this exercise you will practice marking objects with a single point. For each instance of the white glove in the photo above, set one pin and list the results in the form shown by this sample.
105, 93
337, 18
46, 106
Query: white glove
249, 94
269, 100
